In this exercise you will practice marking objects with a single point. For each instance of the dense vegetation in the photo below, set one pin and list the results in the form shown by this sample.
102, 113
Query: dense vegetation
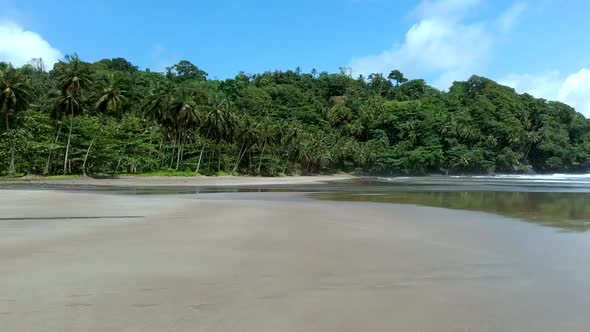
109, 117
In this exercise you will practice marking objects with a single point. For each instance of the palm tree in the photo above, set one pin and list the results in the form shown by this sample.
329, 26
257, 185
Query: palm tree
200, 130
73, 82
275, 136
219, 122
112, 99
288, 137
246, 134
397, 76
156, 109
156, 105
187, 118
74, 76
14, 98
71, 105
532, 138
307, 150
265, 138
314, 150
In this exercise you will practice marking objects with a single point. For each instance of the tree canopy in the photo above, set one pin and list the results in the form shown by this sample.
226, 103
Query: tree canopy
109, 117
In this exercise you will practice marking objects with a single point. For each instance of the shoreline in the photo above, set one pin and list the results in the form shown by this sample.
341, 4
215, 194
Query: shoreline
180, 181
238, 180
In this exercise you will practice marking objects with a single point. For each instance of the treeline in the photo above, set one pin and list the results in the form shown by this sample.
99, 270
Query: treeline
109, 117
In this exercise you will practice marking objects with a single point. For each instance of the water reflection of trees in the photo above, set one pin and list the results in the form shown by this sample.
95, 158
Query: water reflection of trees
567, 211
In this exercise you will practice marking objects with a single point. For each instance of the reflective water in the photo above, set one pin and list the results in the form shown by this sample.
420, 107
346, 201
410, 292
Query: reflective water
561, 201
563, 210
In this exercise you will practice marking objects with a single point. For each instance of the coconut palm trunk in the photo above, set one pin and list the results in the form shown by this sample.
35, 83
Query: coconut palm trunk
161, 154
286, 163
202, 150
200, 158
11, 168
68, 144
118, 164
178, 157
48, 164
172, 156
86, 158
14, 98
261, 157
180, 152
240, 156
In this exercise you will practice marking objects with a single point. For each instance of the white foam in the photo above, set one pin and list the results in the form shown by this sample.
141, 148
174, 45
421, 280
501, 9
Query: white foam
545, 176
549, 178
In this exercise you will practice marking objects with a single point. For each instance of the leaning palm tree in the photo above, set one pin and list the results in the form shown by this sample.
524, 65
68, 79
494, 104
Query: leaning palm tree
288, 137
202, 130
187, 118
111, 102
219, 122
246, 134
14, 98
74, 82
72, 106
157, 110
51, 99
267, 138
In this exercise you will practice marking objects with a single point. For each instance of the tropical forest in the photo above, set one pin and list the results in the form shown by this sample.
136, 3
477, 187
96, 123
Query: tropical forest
110, 118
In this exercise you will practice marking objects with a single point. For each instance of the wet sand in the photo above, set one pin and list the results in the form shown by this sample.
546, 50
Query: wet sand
280, 262
179, 181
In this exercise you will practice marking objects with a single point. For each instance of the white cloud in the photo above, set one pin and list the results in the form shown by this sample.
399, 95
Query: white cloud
544, 85
441, 45
18, 46
451, 9
510, 17
161, 59
573, 90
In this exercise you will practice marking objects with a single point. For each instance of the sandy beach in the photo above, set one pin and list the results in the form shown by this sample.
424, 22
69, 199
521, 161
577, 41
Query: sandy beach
153, 181
278, 262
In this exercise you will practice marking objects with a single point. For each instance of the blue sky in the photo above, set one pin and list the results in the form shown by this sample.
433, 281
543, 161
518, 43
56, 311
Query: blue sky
541, 46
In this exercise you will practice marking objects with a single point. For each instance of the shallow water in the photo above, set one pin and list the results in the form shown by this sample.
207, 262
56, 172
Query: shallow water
566, 211
560, 200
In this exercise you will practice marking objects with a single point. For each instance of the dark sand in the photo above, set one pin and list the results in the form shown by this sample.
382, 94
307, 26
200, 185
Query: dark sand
280, 262
179, 181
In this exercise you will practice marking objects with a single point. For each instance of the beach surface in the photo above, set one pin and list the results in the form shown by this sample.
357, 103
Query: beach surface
279, 262
178, 181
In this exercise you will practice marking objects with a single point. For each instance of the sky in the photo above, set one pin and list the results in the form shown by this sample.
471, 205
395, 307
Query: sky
537, 46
